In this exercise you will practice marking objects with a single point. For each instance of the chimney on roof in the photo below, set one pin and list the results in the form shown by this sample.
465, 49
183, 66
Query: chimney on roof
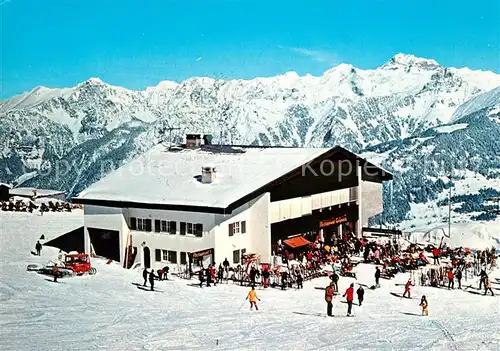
208, 174
193, 141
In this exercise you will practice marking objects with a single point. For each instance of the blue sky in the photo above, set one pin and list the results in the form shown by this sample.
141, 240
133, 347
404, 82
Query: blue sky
135, 44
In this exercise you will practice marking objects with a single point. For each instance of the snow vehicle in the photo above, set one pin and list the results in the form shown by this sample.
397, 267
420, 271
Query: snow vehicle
79, 263
74, 264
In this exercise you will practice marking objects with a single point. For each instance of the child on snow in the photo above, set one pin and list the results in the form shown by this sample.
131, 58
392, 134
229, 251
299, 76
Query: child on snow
252, 296
424, 304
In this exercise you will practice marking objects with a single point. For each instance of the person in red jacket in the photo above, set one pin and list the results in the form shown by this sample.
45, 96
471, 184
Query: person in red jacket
435, 255
451, 278
349, 293
407, 289
212, 274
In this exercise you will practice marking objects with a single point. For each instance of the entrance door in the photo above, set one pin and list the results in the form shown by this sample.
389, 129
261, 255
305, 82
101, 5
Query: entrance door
147, 257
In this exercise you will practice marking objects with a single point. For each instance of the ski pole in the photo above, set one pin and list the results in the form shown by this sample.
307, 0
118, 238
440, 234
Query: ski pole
242, 305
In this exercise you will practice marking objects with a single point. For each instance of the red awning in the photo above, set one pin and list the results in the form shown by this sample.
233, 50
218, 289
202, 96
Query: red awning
297, 241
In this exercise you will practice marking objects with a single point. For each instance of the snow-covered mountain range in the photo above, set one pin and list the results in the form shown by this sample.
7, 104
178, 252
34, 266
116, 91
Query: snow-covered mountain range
68, 138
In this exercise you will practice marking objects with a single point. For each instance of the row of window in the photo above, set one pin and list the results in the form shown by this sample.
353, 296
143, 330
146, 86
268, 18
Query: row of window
237, 228
145, 225
170, 256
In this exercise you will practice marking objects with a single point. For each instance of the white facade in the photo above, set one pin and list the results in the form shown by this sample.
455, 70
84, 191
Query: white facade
258, 216
215, 235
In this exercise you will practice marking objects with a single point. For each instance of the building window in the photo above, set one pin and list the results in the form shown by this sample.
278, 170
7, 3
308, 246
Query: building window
195, 229
158, 255
144, 224
168, 256
198, 229
172, 256
236, 256
172, 227
183, 258
133, 223
237, 228
140, 224
157, 225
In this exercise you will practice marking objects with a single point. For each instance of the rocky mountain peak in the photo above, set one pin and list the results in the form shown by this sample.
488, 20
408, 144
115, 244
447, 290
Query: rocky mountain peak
407, 61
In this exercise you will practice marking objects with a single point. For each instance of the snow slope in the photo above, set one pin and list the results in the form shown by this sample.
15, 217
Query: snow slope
107, 312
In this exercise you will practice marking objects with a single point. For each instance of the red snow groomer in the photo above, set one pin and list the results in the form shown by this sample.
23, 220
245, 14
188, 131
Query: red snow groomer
74, 264
79, 263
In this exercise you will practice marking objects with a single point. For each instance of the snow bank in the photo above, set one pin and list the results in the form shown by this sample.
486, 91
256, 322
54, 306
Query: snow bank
451, 128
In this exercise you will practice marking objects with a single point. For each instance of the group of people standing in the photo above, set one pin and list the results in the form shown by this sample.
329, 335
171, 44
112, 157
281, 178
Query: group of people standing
330, 292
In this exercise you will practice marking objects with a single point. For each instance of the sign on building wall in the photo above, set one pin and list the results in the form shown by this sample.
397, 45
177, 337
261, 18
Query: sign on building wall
202, 253
333, 221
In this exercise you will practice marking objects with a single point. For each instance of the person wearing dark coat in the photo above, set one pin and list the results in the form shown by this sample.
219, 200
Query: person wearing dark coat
225, 264
145, 276
201, 277
377, 278
220, 274
165, 270
482, 278
458, 275
335, 279
361, 294
152, 279
38, 248
299, 281
284, 280
209, 276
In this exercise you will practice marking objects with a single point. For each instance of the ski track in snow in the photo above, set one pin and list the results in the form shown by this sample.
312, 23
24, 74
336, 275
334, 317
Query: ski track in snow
106, 311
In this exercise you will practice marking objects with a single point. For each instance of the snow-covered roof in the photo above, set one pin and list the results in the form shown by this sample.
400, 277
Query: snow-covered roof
28, 192
6, 185
165, 177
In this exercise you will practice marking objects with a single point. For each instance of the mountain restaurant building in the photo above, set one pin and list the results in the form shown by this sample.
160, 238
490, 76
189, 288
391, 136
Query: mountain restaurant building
202, 203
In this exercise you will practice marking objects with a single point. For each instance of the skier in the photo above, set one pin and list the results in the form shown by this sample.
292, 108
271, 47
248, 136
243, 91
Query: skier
458, 275
160, 274
329, 292
407, 288
152, 279
252, 296
361, 293
201, 277
482, 276
211, 269
55, 271
145, 276
38, 248
435, 255
424, 304
299, 281
349, 293
487, 286
208, 274
220, 274
335, 280
226, 264
377, 277
451, 278
265, 275
284, 281
165, 270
